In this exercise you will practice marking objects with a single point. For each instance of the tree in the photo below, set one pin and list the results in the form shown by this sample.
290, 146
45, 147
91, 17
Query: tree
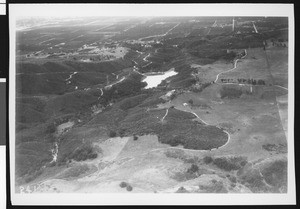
207, 159
194, 168
122, 132
135, 137
191, 102
129, 188
123, 184
112, 133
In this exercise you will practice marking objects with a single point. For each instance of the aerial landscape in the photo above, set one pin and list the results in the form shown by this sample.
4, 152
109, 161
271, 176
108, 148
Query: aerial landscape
151, 104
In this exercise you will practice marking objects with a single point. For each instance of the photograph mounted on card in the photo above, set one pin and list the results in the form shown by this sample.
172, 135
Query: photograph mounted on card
134, 108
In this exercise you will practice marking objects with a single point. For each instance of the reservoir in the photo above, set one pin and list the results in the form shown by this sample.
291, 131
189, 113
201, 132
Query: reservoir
154, 80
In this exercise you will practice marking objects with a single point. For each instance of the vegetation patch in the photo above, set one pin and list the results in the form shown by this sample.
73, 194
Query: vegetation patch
182, 190
230, 92
230, 163
277, 148
178, 128
214, 187
82, 152
275, 174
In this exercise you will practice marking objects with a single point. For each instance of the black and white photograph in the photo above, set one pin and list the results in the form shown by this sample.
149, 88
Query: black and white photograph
127, 99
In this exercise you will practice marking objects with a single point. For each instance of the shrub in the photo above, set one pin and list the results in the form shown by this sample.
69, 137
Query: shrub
229, 164
172, 96
122, 132
182, 190
123, 184
135, 137
112, 133
207, 159
193, 169
129, 188
51, 128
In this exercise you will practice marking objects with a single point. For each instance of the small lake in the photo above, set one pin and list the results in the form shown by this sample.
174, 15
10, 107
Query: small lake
154, 80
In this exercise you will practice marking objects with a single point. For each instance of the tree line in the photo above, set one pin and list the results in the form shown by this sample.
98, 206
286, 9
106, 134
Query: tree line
243, 80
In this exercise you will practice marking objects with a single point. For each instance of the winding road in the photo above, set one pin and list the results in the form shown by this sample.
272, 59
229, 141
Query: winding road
235, 65
208, 125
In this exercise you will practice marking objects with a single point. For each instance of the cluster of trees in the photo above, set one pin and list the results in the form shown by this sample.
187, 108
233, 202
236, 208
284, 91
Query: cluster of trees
243, 80
132, 85
214, 54
208, 159
193, 169
126, 185
112, 134
229, 164
182, 190
279, 42
190, 134
121, 133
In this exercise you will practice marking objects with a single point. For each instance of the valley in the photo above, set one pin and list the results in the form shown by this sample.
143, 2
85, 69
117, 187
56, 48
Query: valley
153, 105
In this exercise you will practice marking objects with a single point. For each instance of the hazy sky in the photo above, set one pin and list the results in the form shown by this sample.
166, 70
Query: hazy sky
64, 10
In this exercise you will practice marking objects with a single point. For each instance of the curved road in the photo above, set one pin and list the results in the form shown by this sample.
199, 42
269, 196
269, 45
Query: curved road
228, 139
235, 65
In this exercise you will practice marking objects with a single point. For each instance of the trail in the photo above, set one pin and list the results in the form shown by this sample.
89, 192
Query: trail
208, 31
235, 65
101, 93
193, 114
46, 41
132, 26
140, 39
228, 139
254, 27
53, 73
145, 59
214, 24
261, 175
119, 81
171, 29
281, 87
165, 115
139, 52
135, 70
71, 76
